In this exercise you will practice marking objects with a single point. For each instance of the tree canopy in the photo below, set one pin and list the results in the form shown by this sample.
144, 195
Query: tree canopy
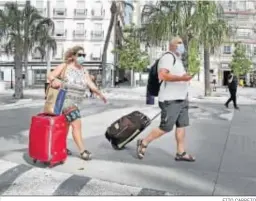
240, 63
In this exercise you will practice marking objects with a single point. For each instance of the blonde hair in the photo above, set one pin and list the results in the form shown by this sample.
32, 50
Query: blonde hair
68, 57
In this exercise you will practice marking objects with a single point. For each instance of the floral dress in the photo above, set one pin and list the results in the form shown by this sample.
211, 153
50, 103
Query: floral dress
75, 84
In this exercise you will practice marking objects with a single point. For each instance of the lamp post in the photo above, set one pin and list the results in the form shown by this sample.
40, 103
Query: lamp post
11, 79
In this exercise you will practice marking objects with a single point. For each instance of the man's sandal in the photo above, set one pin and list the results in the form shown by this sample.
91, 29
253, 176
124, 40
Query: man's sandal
86, 155
141, 149
185, 157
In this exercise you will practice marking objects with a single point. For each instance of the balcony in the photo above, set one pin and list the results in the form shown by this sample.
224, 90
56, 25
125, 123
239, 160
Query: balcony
80, 13
79, 34
59, 13
239, 11
97, 35
98, 15
60, 34
244, 36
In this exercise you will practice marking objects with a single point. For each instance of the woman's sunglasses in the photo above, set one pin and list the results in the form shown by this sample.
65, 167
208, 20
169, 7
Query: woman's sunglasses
81, 55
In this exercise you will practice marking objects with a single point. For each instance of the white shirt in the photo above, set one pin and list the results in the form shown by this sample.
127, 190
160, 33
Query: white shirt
172, 90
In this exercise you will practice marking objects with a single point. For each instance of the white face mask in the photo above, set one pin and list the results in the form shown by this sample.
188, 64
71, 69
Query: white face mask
80, 60
180, 49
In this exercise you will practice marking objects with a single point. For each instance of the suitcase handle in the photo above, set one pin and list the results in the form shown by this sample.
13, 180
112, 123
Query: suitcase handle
45, 114
152, 119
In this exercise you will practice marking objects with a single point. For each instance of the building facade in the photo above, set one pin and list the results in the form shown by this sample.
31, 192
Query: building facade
241, 16
77, 22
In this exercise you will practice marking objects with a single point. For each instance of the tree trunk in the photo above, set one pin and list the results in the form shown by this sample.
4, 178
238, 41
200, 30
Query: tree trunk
26, 70
207, 88
18, 77
185, 55
107, 39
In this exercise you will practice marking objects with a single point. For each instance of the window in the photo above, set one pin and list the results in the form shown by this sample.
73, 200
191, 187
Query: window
227, 49
60, 52
39, 4
60, 3
1, 75
80, 4
230, 5
96, 52
98, 27
80, 26
254, 50
40, 76
80, 29
59, 26
60, 8
242, 5
97, 9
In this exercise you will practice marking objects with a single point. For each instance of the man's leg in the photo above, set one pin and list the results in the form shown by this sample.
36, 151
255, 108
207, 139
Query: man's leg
233, 95
168, 119
230, 99
182, 122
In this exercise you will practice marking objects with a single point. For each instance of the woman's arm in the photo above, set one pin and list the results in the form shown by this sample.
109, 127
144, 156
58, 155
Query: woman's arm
91, 84
55, 73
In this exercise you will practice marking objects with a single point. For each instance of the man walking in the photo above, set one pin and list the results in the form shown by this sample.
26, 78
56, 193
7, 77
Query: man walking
232, 86
173, 101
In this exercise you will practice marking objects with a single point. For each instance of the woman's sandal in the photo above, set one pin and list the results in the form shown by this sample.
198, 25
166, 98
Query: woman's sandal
86, 155
185, 157
69, 153
141, 149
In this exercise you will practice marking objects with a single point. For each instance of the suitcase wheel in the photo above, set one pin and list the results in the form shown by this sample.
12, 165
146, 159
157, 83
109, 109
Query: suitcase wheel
62, 162
116, 147
34, 161
47, 163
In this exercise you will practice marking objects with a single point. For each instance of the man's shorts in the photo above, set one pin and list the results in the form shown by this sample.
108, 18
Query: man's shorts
174, 112
72, 114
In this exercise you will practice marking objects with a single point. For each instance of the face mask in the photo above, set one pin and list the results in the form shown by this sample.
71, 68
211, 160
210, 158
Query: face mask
180, 49
80, 60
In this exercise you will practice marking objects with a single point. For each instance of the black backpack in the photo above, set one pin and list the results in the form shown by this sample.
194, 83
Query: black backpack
153, 86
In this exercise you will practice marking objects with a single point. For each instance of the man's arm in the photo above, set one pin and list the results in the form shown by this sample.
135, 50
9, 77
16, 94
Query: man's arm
164, 70
165, 75
230, 78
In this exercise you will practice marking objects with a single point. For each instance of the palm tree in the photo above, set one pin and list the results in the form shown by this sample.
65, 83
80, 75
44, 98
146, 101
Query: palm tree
37, 34
115, 12
21, 32
213, 31
188, 19
169, 18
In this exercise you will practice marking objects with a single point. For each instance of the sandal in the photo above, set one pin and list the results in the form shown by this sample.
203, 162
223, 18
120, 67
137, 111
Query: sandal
69, 153
86, 155
185, 157
141, 149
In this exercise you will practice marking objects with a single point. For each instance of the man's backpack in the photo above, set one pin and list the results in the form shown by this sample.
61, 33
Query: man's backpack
154, 84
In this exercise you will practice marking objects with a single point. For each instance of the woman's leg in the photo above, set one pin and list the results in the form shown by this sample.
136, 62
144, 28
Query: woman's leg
76, 125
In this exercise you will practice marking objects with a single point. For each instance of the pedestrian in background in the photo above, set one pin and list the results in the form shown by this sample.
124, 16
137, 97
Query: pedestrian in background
232, 87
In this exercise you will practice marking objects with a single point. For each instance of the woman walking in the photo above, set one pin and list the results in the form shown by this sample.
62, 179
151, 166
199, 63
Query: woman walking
75, 78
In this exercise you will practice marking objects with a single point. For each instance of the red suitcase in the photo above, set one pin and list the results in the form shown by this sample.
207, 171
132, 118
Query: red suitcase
48, 139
